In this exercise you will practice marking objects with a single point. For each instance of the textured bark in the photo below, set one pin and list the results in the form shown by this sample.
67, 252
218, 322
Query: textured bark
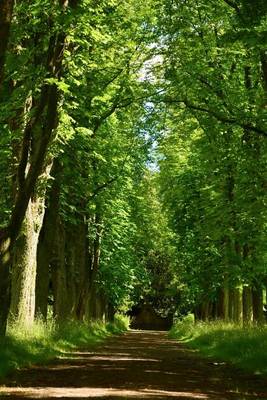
42, 283
77, 261
24, 263
237, 305
37, 137
71, 267
223, 304
48, 245
257, 296
94, 267
264, 74
110, 312
205, 311
64, 247
5, 266
59, 275
231, 304
247, 306
197, 313
6, 11
43, 273
91, 304
97, 306
226, 303
61, 303
101, 307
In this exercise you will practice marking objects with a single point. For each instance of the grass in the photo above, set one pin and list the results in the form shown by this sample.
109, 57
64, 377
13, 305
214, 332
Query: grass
44, 341
245, 348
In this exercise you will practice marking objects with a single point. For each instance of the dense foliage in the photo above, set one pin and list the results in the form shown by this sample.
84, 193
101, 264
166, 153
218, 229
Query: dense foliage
133, 158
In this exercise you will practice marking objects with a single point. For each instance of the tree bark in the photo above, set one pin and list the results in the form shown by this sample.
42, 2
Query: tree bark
61, 306
61, 301
237, 305
263, 57
94, 265
110, 312
257, 296
5, 267
100, 307
77, 259
38, 135
247, 306
223, 304
205, 308
42, 275
24, 263
6, 11
231, 304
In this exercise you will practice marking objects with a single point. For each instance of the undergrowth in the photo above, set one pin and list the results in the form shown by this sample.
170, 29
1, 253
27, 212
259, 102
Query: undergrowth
244, 347
44, 341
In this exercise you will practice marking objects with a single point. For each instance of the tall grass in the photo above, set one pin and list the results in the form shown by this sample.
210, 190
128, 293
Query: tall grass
245, 348
44, 341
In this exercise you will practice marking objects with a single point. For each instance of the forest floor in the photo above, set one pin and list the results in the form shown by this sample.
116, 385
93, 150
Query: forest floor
137, 364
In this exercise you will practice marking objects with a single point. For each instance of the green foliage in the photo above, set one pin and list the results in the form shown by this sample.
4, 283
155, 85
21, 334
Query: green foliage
212, 164
121, 323
160, 140
242, 347
155, 247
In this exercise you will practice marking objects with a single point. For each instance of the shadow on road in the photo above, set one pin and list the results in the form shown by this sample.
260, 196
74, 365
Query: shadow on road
138, 364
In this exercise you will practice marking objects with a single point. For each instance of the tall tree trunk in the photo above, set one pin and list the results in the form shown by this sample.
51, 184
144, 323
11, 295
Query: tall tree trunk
101, 307
61, 306
237, 305
6, 11
231, 304
5, 267
38, 134
205, 308
263, 56
223, 303
94, 264
110, 312
97, 306
91, 304
247, 306
77, 260
24, 263
43, 270
257, 295
59, 274
226, 303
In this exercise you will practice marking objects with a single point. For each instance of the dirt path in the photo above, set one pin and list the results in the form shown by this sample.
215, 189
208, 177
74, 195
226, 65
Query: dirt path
144, 365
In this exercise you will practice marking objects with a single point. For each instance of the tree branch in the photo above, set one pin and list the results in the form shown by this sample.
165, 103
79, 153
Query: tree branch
6, 12
233, 5
114, 178
221, 118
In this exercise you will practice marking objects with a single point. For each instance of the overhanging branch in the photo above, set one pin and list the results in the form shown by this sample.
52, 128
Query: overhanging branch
221, 118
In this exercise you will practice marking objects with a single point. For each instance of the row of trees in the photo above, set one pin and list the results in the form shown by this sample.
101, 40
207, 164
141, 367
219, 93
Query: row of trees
73, 151
88, 222
213, 154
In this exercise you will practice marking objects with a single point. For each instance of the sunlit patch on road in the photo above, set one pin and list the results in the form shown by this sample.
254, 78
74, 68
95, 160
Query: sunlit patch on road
73, 393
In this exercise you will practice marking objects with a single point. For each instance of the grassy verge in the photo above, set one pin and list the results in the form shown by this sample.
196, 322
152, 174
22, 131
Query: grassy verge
245, 348
45, 341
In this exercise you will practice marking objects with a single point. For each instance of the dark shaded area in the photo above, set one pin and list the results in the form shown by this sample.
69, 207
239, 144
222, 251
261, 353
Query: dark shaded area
144, 365
146, 318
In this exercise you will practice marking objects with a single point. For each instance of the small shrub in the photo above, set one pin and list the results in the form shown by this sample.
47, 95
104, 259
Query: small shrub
122, 322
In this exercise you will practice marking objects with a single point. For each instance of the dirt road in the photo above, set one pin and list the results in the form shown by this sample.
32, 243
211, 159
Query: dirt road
136, 365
